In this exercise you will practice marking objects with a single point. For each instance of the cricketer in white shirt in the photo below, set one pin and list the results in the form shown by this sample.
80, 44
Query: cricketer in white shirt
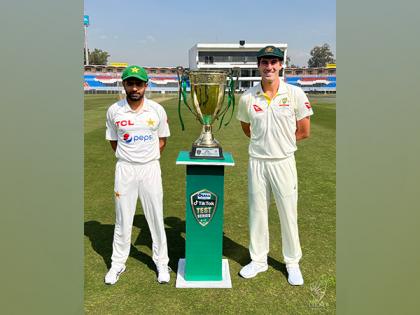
137, 133
273, 115
138, 176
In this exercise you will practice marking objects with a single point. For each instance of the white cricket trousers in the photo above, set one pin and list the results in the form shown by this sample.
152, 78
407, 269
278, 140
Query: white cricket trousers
280, 176
141, 181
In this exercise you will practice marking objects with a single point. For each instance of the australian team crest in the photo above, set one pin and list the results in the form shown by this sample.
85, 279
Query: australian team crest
203, 205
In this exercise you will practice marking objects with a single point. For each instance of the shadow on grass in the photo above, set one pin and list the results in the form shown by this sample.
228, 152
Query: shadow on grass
101, 237
277, 265
240, 254
176, 242
231, 249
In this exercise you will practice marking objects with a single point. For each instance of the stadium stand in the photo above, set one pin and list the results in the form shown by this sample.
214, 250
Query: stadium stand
92, 81
314, 83
107, 79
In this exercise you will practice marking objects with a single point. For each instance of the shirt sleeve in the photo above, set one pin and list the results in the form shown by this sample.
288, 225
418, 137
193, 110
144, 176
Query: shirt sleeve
243, 114
111, 129
303, 106
163, 129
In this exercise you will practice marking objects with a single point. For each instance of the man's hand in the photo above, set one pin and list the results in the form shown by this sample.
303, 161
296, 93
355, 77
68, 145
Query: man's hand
162, 144
113, 145
246, 128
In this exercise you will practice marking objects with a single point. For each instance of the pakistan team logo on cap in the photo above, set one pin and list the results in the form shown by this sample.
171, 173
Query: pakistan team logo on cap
203, 205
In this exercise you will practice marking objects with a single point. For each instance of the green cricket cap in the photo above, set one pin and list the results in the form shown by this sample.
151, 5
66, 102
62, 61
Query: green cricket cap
270, 51
135, 72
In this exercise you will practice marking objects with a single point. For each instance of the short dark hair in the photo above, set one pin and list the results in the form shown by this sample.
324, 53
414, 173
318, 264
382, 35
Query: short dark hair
268, 57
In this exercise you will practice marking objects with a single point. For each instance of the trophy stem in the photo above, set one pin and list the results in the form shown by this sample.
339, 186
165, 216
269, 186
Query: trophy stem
206, 146
206, 138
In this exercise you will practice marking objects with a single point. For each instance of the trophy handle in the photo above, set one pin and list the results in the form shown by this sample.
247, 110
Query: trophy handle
182, 93
231, 95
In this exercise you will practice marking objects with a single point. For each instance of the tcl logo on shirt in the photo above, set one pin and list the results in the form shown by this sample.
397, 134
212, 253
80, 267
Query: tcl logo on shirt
124, 123
308, 105
257, 108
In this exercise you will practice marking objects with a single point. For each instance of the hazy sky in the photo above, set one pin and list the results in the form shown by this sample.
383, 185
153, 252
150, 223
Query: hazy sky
160, 32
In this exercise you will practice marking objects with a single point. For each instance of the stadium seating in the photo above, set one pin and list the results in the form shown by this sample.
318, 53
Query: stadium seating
314, 83
112, 82
92, 81
169, 83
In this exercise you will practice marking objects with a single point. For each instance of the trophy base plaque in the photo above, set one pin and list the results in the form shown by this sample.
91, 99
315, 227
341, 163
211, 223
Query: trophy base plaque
212, 153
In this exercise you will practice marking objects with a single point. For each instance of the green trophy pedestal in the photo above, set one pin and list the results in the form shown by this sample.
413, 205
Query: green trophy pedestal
203, 266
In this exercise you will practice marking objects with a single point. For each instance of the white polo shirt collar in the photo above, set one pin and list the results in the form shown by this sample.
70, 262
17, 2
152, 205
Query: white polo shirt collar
127, 108
281, 90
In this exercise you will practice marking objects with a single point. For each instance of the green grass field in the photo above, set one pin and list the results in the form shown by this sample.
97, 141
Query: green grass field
138, 292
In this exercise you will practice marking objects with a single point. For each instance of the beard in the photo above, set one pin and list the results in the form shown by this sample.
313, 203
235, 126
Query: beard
135, 96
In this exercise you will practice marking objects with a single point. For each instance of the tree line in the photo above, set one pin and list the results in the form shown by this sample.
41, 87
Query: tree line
96, 57
320, 56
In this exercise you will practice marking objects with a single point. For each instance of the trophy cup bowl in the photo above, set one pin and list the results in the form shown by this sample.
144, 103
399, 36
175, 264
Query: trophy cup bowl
207, 94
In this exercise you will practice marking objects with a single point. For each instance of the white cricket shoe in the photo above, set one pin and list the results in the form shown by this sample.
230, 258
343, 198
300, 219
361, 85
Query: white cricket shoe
295, 276
114, 274
252, 269
163, 273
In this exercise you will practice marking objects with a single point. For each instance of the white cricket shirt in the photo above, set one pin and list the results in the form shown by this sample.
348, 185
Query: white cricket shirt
273, 123
137, 133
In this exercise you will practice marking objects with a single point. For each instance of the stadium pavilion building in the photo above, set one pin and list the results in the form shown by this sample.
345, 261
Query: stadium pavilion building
229, 56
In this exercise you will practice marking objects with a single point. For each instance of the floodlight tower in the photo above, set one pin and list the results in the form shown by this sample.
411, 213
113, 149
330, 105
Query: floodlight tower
85, 25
